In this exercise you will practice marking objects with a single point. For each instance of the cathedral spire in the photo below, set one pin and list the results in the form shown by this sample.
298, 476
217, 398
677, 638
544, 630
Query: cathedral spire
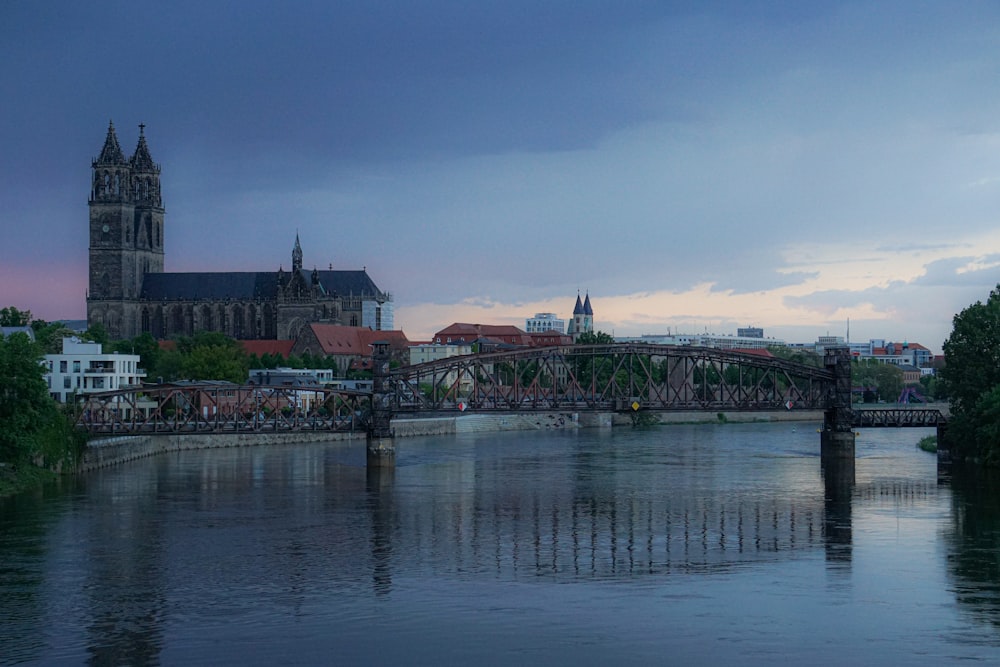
297, 255
112, 151
141, 159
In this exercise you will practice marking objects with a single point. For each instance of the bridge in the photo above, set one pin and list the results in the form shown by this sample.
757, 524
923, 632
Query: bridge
623, 378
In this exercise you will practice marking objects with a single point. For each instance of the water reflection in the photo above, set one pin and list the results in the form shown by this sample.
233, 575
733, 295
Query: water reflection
380, 492
974, 541
838, 486
230, 545
123, 568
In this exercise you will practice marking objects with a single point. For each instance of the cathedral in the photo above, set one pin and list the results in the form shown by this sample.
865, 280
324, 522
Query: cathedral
129, 292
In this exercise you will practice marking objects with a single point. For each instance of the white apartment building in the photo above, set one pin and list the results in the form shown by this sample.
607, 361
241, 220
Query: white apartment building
423, 352
543, 322
705, 340
83, 368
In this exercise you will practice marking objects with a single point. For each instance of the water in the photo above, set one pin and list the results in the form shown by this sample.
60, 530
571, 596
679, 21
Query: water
700, 544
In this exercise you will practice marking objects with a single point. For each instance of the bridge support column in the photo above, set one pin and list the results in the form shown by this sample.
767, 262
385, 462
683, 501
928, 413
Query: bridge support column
837, 437
836, 446
381, 446
381, 452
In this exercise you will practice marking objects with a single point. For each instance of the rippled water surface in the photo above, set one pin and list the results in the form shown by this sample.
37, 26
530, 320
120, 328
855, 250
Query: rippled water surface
693, 544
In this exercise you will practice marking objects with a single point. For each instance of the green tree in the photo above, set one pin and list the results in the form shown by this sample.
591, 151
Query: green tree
97, 333
216, 362
169, 366
12, 317
33, 431
50, 336
972, 353
971, 377
595, 338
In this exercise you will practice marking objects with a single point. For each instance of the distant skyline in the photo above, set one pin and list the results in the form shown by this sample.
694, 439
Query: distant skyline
694, 166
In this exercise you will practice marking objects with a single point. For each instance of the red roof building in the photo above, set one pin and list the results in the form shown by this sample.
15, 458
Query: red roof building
461, 332
349, 344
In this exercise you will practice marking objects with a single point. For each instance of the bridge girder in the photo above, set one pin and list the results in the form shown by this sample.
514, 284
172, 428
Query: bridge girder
223, 408
609, 377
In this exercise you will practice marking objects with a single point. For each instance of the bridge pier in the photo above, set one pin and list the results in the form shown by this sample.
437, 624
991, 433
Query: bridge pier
837, 437
836, 446
380, 440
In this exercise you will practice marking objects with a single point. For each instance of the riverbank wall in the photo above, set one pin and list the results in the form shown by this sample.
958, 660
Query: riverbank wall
104, 452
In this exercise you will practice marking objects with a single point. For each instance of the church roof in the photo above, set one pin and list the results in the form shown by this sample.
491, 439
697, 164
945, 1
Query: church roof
141, 159
248, 285
578, 308
587, 310
112, 151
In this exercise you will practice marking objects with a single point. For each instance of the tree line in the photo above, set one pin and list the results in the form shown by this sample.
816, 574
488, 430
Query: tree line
972, 379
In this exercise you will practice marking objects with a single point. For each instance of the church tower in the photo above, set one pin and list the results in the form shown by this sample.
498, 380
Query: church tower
148, 220
126, 233
583, 318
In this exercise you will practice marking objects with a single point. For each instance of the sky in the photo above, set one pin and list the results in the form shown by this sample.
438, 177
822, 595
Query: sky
693, 166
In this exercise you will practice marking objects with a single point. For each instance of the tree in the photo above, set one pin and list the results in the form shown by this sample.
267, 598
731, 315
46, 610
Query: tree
971, 378
595, 338
97, 333
50, 336
12, 317
216, 362
32, 429
972, 353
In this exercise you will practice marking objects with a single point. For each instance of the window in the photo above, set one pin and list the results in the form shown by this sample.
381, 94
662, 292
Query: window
62, 366
66, 383
76, 366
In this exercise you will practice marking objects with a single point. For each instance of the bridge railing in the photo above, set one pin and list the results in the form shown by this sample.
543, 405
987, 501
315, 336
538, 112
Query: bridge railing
898, 417
609, 377
220, 407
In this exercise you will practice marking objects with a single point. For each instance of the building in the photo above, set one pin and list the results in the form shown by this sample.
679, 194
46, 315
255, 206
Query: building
544, 322
742, 343
289, 377
583, 318
130, 293
83, 368
899, 354
423, 352
503, 335
350, 347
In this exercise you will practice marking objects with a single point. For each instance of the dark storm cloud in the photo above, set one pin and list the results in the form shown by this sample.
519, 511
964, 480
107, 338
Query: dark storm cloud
500, 153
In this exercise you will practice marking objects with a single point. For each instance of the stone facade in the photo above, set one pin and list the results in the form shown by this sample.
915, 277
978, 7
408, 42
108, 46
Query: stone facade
130, 293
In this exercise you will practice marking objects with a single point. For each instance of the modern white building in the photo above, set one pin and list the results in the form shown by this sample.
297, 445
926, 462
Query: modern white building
543, 322
276, 377
705, 340
83, 368
423, 352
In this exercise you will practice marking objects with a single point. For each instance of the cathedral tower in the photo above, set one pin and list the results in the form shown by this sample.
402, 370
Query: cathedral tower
126, 232
148, 219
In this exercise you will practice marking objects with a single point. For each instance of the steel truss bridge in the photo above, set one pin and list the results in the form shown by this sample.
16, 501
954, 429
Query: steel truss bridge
579, 378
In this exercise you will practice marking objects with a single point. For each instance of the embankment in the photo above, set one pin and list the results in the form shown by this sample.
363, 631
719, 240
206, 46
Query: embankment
106, 452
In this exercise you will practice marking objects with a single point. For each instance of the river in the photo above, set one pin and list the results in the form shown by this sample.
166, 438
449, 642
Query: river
701, 544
